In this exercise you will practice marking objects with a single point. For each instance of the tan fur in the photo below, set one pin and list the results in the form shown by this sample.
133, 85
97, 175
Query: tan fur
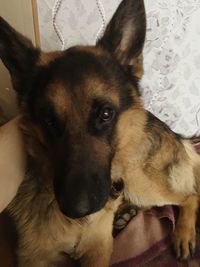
181, 177
169, 171
138, 66
167, 175
45, 58
60, 99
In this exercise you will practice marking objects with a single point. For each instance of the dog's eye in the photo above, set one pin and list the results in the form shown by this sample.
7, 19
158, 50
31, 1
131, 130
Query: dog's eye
102, 117
50, 121
106, 114
52, 126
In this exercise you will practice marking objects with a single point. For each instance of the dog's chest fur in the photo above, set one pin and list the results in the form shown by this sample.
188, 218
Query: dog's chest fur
41, 226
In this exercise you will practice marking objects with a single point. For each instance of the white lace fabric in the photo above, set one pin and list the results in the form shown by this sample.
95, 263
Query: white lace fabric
171, 85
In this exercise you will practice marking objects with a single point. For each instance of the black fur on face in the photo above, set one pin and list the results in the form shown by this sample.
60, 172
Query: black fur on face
71, 102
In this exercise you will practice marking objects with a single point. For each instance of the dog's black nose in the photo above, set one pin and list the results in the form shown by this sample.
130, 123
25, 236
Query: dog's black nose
77, 198
82, 192
80, 206
75, 208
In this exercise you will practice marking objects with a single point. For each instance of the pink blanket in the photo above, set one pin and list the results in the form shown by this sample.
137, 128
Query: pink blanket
145, 242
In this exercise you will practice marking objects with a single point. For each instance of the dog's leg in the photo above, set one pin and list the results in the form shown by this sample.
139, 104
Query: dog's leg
184, 236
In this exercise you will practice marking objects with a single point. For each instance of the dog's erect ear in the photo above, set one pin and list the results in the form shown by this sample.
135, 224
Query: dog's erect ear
17, 54
125, 35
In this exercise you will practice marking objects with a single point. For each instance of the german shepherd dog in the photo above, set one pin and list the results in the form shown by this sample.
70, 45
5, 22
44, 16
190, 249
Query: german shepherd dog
83, 123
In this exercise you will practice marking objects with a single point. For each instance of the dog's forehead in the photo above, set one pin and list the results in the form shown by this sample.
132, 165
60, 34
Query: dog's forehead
81, 74
87, 64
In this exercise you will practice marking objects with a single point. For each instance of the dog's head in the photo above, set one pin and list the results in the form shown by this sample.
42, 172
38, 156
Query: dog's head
71, 102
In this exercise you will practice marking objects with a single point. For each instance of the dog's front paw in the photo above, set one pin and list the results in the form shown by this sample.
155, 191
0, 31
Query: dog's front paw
122, 219
123, 216
184, 242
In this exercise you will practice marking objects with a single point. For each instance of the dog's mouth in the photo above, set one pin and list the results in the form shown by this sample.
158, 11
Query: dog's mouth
116, 188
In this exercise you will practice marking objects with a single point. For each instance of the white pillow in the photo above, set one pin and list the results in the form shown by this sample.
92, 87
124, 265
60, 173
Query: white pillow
171, 84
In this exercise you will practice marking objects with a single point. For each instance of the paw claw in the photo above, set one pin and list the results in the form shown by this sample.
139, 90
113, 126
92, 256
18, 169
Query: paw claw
184, 248
184, 244
191, 249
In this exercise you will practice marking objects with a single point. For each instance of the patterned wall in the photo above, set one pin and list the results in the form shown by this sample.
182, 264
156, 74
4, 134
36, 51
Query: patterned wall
171, 84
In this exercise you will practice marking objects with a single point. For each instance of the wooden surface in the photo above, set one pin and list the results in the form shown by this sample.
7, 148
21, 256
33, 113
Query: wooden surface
22, 15
36, 23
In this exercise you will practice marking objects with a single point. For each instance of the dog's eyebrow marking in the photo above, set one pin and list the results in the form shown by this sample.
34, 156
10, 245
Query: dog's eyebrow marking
46, 58
95, 87
100, 101
59, 99
107, 97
